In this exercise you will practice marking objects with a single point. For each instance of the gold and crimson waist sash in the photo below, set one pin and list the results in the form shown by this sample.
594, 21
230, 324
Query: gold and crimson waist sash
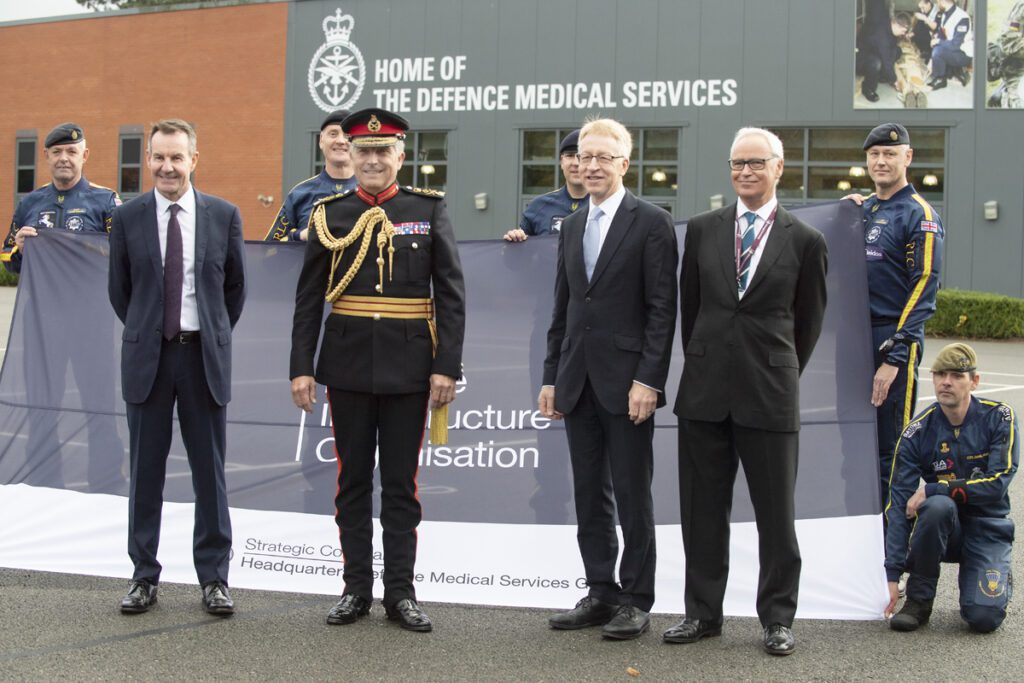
395, 308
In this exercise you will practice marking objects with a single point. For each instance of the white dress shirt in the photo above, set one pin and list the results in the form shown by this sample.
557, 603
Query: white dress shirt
608, 208
187, 223
762, 215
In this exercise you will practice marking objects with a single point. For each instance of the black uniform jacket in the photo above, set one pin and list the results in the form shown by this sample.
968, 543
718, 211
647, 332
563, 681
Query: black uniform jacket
385, 356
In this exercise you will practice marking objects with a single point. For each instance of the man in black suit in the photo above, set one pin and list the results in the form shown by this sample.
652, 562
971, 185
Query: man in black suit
609, 347
177, 282
752, 298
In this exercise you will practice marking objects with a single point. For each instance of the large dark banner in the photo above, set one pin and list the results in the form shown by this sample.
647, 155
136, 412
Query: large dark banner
62, 416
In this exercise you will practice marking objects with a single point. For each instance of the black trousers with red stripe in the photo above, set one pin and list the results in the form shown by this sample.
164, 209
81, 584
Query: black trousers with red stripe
394, 423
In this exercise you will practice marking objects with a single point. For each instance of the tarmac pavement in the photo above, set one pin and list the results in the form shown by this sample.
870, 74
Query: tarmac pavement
63, 626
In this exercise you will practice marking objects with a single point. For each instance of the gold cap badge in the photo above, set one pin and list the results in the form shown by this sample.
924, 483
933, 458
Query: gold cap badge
373, 125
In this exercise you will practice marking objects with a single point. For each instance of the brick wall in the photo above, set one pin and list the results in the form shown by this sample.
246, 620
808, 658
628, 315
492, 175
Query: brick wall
222, 69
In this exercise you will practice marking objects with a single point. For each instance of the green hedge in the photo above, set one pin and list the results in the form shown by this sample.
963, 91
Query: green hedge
7, 278
976, 315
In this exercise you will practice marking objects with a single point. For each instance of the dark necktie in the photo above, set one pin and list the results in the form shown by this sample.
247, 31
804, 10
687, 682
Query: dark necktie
746, 252
173, 275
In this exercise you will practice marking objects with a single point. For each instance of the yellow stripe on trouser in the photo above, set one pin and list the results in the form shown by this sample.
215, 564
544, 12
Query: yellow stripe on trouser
378, 307
908, 398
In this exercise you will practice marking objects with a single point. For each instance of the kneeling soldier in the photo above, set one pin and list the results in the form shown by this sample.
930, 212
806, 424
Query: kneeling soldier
389, 349
965, 449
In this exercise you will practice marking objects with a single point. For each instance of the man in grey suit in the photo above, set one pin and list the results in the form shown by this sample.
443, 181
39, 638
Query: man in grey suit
752, 299
177, 282
609, 347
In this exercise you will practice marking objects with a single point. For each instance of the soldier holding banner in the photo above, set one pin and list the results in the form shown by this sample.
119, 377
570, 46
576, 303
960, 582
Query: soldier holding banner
386, 258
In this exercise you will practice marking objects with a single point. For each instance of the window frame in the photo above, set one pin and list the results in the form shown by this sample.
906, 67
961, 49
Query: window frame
25, 137
122, 164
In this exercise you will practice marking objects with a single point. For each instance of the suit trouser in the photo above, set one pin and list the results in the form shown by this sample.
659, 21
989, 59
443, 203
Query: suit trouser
180, 379
363, 423
982, 546
899, 406
612, 467
709, 454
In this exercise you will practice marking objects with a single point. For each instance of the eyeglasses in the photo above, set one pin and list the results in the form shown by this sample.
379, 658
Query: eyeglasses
754, 164
602, 159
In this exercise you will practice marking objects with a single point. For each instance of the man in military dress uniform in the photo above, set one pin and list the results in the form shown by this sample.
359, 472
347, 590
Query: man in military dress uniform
389, 350
966, 450
292, 221
76, 332
903, 246
544, 215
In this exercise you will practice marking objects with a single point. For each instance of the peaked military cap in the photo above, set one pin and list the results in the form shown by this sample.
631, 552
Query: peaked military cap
374, 128
64, 134
887, 135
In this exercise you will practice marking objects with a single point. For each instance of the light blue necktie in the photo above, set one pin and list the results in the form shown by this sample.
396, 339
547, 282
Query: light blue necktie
592, 241
746, 251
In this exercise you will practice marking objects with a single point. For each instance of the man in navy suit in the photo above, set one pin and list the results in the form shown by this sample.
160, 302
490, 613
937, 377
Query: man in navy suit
177, 282
609, 348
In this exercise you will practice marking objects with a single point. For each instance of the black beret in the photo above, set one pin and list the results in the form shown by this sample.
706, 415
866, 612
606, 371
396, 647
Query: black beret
887, 135
64, 134
335, 117
569, 142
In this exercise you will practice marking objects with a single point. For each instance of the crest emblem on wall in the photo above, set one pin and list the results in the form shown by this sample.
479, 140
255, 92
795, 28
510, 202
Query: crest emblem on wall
337, 71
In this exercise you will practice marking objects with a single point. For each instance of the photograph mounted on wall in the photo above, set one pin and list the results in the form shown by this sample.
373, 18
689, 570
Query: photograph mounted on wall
1005, 55
914, 54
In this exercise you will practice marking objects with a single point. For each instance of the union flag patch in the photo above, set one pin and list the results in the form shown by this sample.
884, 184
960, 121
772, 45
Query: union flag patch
929, 226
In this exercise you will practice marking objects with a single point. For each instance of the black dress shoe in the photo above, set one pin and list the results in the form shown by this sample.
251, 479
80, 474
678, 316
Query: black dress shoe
691, 630
629, 622
217, 600
348, 609
871, 96
140, 597
964, 77
587, 612
779, 640
409, 616
939, 84
913, 615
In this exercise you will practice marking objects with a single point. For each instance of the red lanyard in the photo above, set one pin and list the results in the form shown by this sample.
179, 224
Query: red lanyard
757, 240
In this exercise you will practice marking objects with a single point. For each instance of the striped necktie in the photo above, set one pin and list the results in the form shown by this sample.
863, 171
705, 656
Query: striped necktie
746, 252
173, 275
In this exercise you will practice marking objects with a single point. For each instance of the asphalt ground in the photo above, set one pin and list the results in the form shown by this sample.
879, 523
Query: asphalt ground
64, 626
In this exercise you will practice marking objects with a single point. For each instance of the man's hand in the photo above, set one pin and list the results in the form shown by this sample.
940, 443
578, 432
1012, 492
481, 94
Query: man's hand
304, 392
894, 597
915, 502
546, 403
884, 377
856, 198
304, 234
23, 232
642, 402
442, 390
515, 235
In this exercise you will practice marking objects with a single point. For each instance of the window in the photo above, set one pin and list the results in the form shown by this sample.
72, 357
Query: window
317, 156
129, 166
426, 160
825, 164
653, 172
25, 167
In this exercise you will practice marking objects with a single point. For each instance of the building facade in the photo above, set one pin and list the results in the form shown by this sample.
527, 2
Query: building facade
490, 87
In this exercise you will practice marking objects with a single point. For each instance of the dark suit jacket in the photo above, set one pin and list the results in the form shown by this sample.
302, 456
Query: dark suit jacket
136, 284
744, 356
618, 327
